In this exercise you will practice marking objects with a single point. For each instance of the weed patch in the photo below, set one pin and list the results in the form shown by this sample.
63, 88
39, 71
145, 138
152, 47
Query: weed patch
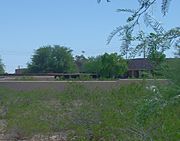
130, 112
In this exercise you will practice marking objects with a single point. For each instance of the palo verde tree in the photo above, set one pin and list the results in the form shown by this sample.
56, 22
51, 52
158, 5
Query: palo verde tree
52, 59
1, 67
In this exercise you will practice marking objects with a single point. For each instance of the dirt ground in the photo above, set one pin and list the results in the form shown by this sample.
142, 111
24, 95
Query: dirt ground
61, 85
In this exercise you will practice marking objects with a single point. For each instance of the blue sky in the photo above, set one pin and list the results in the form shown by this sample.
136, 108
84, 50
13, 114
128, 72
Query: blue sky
82, 25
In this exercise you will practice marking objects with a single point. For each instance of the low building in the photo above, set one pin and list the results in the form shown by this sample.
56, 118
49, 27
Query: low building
20, 71
137, 67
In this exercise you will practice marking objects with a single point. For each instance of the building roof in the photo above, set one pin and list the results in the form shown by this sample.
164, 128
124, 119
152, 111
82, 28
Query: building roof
139, 64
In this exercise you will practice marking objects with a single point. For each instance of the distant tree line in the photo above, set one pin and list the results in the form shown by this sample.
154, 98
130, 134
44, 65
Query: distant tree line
59, 59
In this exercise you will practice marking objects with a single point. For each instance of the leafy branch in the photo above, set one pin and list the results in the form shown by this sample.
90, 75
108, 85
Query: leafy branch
161, 39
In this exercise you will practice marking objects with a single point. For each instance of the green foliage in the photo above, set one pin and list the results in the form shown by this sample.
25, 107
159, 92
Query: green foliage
59, 59
157, 59
145, 44
154, 112
93, 65
107, 66
130, 112
172, 72
113, 65
1, 67
133, 20
80, 62
173, 68
52, 59
162, 39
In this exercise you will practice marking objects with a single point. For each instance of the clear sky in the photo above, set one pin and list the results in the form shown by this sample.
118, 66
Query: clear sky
82, 25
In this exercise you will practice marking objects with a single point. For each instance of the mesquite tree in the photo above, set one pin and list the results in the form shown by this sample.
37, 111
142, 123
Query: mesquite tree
143, 42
